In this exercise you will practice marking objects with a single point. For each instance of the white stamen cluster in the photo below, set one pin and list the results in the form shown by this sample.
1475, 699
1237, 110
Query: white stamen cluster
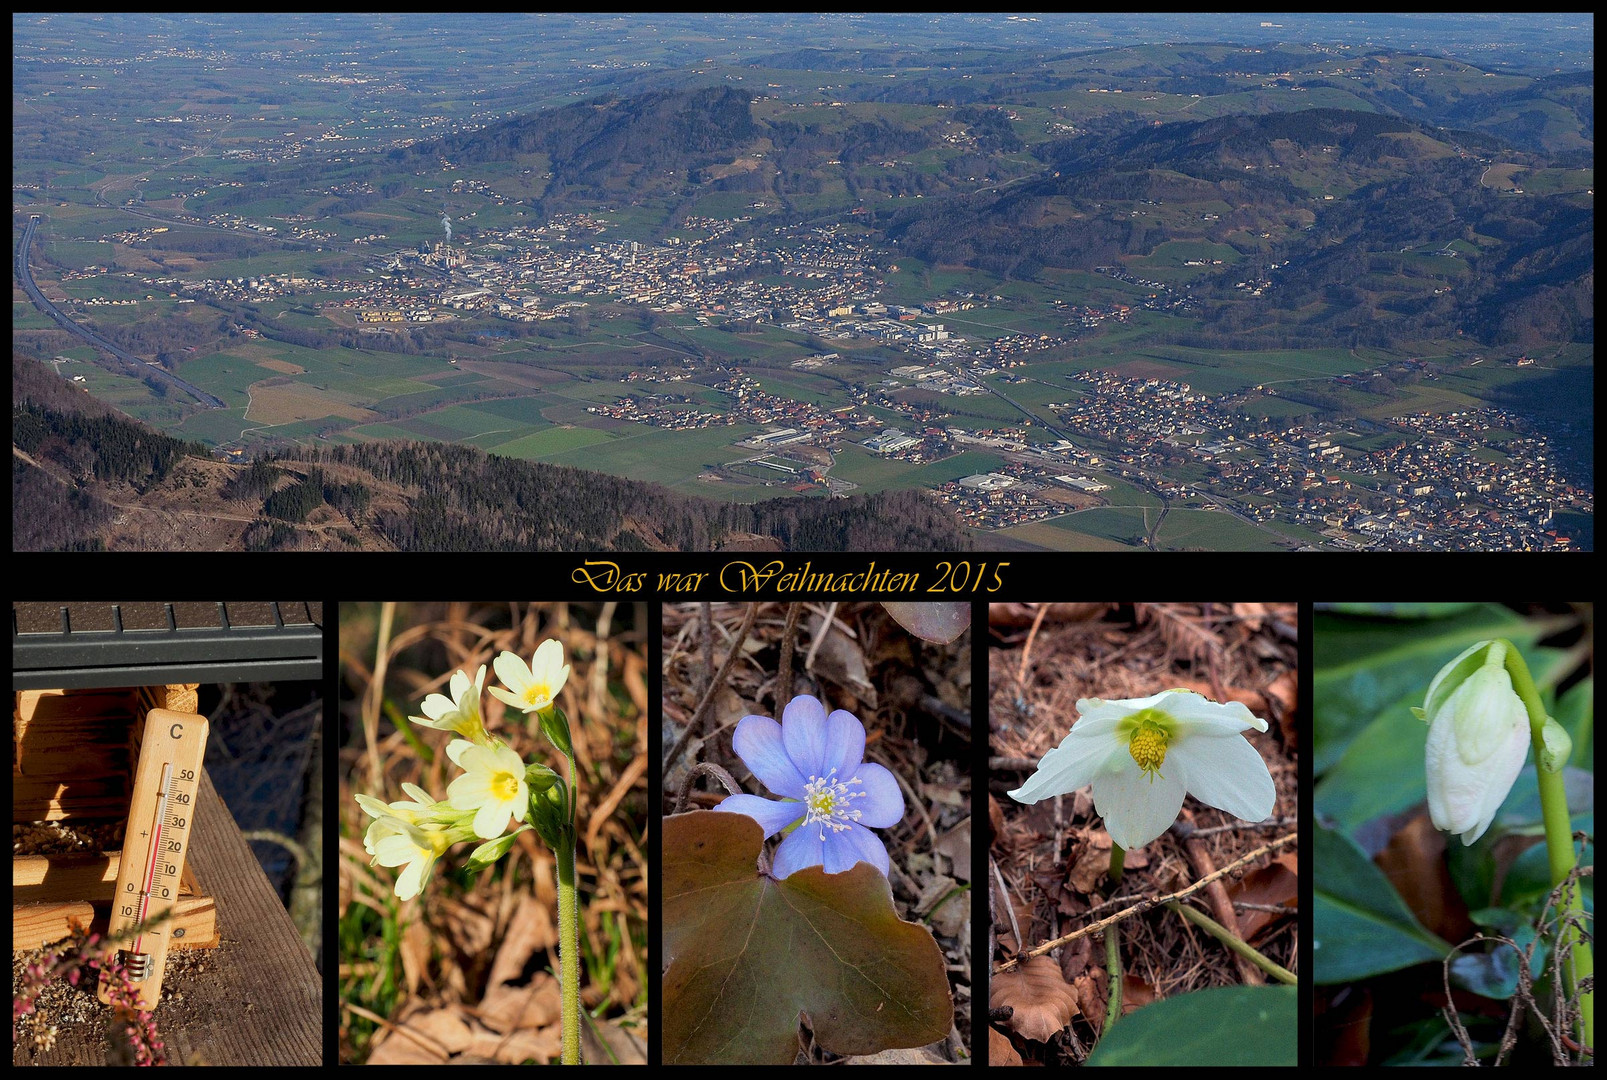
828, 801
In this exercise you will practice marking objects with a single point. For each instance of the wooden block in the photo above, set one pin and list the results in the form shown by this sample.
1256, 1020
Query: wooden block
33, 925
58, 800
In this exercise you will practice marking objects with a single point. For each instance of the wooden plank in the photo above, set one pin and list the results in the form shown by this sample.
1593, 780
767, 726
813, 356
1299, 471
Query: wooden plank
263, 962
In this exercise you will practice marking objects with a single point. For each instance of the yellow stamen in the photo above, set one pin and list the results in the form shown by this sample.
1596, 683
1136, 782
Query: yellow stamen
1148, 747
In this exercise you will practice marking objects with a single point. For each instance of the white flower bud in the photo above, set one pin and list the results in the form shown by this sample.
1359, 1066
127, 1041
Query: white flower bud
1478, 737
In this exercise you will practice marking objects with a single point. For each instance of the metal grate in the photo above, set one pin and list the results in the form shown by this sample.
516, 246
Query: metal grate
80, 645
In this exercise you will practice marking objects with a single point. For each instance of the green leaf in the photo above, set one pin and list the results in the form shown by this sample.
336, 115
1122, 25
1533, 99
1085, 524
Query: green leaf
1381, 771
1365, 666
1226, 1025
1492, 974
748, 955
941, 622
1575, 713
1361, 925
1399, 611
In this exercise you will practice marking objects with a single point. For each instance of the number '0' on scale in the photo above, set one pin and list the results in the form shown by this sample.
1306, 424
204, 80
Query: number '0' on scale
155, 843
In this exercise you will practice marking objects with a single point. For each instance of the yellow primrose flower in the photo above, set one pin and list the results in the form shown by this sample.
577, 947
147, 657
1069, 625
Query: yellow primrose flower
493, 786
395, 842
460, 712
533, 688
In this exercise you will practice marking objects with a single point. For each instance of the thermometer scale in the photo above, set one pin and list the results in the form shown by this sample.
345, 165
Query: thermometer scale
155, 843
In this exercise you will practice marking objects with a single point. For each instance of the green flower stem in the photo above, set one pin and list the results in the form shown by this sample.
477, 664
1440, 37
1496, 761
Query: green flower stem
1226, 937
1113, 951
569, 948
1559, 840
569, 924
1113, 965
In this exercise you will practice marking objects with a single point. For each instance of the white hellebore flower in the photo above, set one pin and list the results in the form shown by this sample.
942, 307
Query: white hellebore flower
493, 786
460, 712
536, 687
1478, 737
1142, 755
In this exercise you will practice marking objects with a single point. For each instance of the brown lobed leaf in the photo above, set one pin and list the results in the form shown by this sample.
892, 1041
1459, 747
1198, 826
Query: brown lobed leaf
748, 955
1043, 1001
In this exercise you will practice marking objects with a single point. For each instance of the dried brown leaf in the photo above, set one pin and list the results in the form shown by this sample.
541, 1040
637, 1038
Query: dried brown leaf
955, 845
1284, 698
1042, 1000
1414, 862
1000, 1050
1276, 883
915, 1055
1136, 993
1252, 700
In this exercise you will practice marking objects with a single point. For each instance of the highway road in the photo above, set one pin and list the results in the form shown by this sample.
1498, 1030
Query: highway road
61, 319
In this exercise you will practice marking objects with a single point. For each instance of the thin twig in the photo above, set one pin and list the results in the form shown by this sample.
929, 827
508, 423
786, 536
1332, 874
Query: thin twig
1026, 651
706, 768
1146, 905
706, 629
826, 624
789, 642
1186, 831
698, 716
376, 695
1009, 905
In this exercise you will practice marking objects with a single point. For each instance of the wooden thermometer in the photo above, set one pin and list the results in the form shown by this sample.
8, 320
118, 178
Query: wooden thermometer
166, 783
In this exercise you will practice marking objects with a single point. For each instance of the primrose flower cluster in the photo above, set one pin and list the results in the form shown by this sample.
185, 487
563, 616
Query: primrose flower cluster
496, 788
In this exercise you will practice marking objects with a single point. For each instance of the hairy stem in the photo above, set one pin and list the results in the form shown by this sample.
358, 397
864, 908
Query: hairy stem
1559, 844
568, 949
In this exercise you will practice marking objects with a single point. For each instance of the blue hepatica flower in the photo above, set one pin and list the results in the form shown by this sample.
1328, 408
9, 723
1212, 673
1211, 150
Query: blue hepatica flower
815, 762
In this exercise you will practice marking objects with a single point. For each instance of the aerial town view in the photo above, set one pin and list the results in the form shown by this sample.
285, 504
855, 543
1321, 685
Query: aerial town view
995, 282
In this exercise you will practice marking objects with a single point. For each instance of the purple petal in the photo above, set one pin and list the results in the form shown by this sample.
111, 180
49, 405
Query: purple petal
883, 804
845, 743
772, 816
803, 729
758, 742
850, 846
800, 849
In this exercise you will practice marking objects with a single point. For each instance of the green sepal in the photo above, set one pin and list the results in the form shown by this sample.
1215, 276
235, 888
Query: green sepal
555, 725
1556, 746
549, 812
492, 850
539, 777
